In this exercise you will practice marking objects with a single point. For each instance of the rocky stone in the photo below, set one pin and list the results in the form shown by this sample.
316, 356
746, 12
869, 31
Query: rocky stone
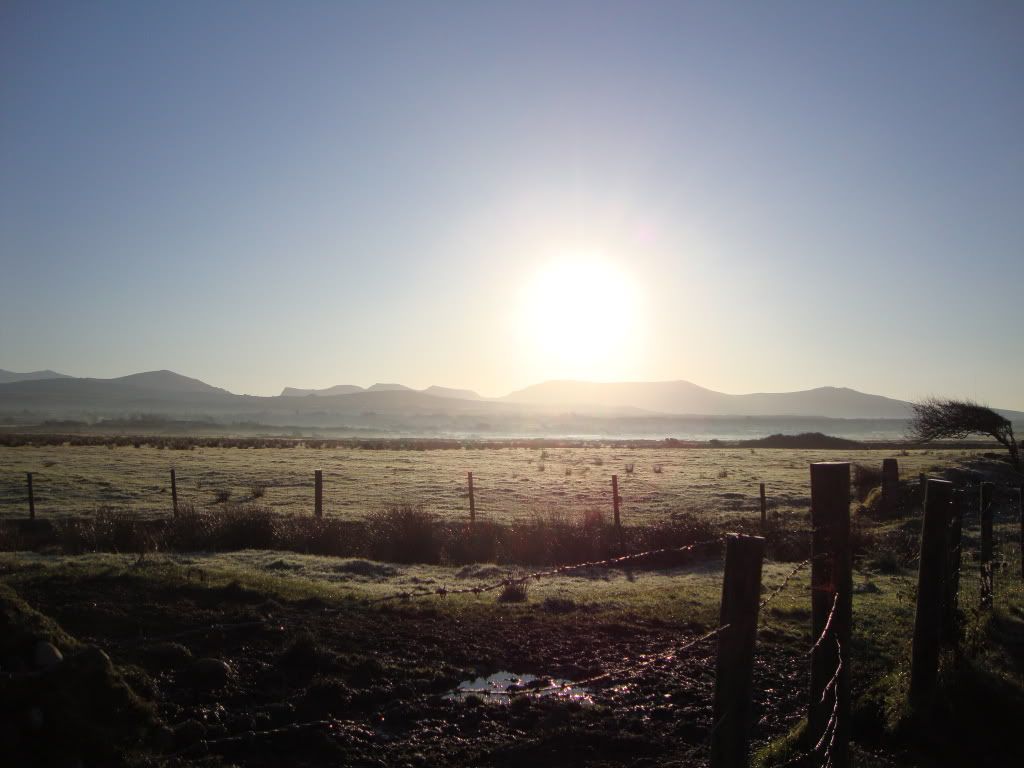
46, 655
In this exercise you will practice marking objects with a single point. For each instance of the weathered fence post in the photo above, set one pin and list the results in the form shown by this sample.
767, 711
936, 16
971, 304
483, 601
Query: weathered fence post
987, 575
764, 509
922, 484
31, 498
174, 493
831, 608
318, 496
734, 670
472, 502
950, 628
615, 504
931, 591
1020, 509
890, 485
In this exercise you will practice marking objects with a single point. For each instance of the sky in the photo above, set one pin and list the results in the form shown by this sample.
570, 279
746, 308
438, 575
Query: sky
750, 196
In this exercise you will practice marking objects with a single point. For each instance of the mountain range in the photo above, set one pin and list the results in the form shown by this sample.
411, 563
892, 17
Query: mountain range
553, 407
9, 376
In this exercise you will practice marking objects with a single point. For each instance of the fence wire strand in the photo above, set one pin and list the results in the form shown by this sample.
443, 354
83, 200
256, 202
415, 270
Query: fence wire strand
785, 583
611, 562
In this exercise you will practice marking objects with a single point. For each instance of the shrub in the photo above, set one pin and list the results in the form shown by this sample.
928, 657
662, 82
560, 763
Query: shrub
258, 490
239, 526
629, 468
865, 479
117, 530
221, 495
885, 561
402, 533
189, 530
246, 526
464, 544
108, 530
513, 592
320, 536
555, 538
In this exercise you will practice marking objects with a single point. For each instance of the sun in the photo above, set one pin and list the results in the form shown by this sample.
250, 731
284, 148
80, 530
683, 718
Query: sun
580, 316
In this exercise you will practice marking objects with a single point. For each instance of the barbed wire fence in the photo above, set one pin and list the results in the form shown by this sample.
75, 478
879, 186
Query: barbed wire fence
831, 591
741, 609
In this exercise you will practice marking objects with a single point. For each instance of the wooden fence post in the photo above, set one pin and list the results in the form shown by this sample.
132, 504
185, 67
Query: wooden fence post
764, 509
931, 591
831, 608
922, 482
174, 492
951, 628
472, 502
318, 498
31, 498
1020, 509
987, 575
734, 670
890, 485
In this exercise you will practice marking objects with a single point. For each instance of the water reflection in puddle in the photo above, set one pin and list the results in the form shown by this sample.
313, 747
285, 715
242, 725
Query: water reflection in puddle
501, 687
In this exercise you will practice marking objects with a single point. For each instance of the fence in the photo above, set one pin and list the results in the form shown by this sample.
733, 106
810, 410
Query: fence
953, 541
306, 492
509, 484
829, 710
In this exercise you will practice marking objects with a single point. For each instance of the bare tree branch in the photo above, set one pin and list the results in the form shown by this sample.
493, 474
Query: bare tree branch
938, 419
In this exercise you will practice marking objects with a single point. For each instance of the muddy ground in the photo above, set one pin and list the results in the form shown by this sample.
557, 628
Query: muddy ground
309, 682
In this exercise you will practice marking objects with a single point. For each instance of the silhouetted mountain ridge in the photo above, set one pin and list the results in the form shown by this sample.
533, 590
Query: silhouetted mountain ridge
549, 407
685, 397
6, 377
350, 389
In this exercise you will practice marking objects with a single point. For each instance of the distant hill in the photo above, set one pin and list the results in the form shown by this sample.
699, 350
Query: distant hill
350, 389
456, 394
160, 391
556, 408
6, 377
389, 388
337, 389
812, 440
164, 381
684, 397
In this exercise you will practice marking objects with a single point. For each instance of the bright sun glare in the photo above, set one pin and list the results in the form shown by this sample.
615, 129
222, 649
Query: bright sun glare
579, 314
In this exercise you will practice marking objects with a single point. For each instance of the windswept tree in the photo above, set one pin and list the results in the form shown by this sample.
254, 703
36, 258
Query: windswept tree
936, 419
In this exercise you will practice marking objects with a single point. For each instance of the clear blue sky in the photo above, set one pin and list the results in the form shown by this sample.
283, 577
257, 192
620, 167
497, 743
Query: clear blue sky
772, 196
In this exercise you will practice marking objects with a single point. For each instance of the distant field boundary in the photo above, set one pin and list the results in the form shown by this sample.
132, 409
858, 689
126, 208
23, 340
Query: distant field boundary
810, 441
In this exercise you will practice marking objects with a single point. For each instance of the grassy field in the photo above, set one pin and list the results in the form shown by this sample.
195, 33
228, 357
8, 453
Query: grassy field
180, 656
510, 484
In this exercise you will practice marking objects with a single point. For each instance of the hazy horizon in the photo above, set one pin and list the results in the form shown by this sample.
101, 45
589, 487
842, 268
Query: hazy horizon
366, 386
757, 198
